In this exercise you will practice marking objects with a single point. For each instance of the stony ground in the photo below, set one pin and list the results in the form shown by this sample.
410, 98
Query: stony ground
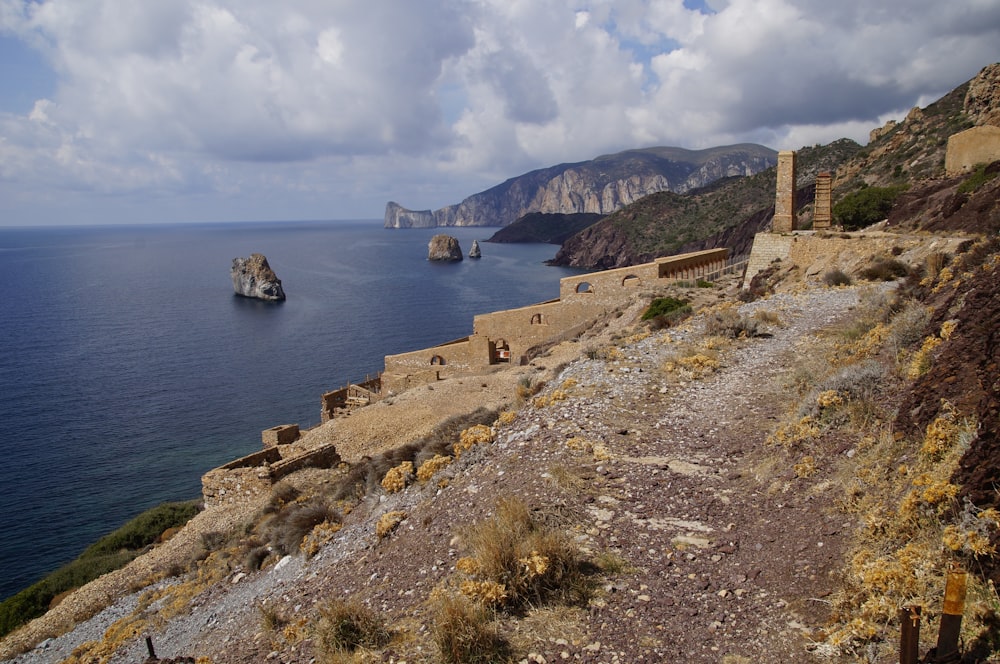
727, 555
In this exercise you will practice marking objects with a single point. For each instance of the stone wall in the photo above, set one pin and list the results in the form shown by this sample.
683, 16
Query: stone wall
816, 253
767, 248
254, 475
283, 434
510, 335
967, 149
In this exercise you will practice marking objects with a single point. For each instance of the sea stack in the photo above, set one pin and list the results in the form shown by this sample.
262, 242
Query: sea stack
444, 248
253, 277
475, 252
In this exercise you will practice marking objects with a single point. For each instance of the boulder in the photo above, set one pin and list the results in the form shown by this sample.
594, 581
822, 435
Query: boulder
253, 277
475, 252
444, 248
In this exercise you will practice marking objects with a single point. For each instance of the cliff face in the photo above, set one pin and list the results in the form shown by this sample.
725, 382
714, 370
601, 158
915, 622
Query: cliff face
599, 186
253, 277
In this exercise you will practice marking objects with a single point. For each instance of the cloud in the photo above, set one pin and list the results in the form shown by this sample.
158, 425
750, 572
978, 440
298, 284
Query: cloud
195, 98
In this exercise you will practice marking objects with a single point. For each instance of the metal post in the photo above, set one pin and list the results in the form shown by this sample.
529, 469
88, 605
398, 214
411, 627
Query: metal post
951, 616
149, 647
909, 636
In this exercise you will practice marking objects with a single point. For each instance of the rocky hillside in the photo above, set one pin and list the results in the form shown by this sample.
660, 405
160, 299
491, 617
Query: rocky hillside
601, 185
728, 213
662, 224
549, 228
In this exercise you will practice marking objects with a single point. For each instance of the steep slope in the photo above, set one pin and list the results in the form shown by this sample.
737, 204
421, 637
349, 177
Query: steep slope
599, 186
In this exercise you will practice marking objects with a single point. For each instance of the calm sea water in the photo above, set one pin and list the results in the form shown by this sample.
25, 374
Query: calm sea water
129, 368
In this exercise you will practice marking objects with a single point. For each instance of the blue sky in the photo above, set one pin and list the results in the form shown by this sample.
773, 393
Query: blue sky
217, 110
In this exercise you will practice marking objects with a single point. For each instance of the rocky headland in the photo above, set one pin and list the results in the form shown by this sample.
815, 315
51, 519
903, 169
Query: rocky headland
254, 278
601, 185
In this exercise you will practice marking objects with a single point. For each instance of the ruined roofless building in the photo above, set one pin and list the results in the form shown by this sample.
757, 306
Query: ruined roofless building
784, 199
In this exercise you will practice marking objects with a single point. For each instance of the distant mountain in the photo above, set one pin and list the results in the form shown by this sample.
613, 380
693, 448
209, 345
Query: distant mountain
547, 228
600, 186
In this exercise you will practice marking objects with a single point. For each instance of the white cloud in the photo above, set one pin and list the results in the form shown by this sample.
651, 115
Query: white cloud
341, 104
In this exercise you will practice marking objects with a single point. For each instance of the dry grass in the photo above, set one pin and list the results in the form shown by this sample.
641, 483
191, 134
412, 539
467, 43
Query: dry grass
465, 633
514, 561
345, 626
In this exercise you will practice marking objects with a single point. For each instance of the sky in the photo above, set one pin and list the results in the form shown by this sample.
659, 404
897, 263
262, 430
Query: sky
163, 111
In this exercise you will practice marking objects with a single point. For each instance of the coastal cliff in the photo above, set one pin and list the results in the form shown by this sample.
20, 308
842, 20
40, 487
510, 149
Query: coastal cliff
254, 278
600, 186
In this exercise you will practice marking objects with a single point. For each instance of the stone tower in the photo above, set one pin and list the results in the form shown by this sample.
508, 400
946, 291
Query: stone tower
784, 199
823, 205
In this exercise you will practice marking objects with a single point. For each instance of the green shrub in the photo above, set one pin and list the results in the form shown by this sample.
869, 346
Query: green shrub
662, 306
980, 177
144, 529
865, 207
111, 552
702, 283
666, 312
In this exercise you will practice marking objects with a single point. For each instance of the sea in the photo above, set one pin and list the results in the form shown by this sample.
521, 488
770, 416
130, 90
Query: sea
129, 367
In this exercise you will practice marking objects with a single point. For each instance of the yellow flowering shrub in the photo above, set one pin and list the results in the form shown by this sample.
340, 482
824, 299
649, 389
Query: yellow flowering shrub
318, 536
471, 437
920, 363
430, 467
829, 399
397, 478
789, 435
805, 468
388, 522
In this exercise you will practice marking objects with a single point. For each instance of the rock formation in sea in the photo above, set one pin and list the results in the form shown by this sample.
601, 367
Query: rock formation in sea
601, 185
444, 248
475, 252
253, 277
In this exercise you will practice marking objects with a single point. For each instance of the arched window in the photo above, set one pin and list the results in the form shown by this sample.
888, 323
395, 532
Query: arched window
437, 359
537, 319
631, 281
584, 287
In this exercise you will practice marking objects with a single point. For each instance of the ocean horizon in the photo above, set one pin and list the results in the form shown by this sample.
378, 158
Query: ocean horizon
131, 368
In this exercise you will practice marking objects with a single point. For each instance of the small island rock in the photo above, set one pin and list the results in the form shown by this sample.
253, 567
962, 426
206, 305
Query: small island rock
253, 277
444, 248
475, 252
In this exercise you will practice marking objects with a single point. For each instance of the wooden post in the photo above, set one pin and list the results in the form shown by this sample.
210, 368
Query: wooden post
909, 636
951, 616
149, 647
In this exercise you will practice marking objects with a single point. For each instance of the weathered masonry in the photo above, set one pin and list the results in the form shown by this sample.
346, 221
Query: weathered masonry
972, 147
823, 204
256, 473
509, 336
348, 398
784, 199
